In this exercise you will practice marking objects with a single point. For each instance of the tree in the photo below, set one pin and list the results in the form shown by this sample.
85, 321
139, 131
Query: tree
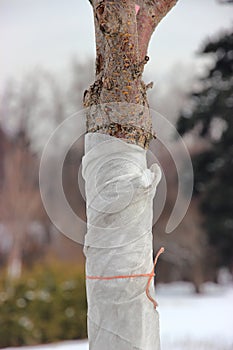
29, 110
120, 316
211, 118
19, 199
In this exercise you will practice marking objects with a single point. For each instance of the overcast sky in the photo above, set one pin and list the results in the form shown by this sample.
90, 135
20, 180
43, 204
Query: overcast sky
49, 33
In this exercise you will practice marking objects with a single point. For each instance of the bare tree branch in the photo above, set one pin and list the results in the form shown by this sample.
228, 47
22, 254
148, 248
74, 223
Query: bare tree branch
150, 14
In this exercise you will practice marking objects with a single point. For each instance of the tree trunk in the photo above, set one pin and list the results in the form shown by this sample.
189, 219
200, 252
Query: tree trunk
14, 266
119, 187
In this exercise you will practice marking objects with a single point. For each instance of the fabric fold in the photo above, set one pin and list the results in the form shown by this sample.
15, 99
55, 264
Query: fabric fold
119, 198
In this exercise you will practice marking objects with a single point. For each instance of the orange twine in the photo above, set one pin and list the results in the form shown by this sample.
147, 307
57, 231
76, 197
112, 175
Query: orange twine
150, 275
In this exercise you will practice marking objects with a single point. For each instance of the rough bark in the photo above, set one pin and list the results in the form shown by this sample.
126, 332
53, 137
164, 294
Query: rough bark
117, 100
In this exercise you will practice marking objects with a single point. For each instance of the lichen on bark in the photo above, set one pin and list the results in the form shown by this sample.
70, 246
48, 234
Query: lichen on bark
117, 101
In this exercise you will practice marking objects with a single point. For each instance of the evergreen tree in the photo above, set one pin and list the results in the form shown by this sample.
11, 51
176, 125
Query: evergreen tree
212, 119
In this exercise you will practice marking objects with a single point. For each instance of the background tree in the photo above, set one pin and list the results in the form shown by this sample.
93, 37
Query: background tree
20, 202
30, 109
211, 119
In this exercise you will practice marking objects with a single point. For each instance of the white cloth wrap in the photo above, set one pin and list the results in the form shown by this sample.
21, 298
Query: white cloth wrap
119, 198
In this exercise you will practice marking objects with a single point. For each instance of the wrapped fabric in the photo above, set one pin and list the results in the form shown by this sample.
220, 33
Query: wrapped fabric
119, 198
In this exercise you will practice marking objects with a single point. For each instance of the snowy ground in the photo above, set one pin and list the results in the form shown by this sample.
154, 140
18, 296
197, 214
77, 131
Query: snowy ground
196, 321
187, 321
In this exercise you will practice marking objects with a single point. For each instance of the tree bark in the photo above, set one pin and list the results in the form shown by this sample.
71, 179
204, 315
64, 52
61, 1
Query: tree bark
122, 38
120, 313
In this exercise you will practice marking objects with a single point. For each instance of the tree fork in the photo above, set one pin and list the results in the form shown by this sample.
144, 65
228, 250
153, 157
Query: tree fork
117, 100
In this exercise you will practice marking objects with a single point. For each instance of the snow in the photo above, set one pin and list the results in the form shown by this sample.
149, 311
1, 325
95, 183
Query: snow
186, 317
68, 345
188, 321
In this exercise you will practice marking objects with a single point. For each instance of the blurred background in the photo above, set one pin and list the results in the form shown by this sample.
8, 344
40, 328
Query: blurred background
47, 61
